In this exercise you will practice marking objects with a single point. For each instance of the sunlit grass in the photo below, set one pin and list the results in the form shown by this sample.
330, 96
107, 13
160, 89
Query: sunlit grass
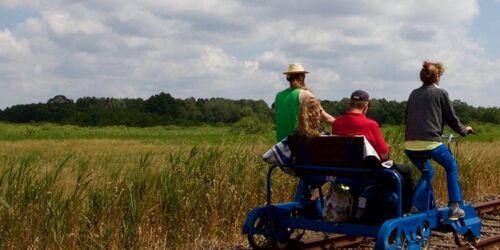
161, 134
127, 194
163, 187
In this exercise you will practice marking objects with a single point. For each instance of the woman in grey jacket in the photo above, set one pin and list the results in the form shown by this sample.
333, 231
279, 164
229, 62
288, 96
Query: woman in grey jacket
428, 108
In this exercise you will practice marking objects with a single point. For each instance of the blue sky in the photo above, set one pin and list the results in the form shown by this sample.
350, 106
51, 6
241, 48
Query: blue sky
9, 18
485, 27
239, 49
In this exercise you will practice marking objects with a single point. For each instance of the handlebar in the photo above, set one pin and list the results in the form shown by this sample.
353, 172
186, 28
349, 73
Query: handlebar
450, 137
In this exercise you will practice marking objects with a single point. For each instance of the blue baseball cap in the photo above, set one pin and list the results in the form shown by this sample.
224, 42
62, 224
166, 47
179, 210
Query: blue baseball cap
360, 95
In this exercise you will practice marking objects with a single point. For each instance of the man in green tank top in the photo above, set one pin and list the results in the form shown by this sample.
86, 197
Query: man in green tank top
287, 102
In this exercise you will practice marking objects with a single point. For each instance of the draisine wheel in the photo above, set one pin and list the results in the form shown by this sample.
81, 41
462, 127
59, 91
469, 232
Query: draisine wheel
424, 235
405, 239
295, 235
264, 231
465, 239
427, 244
397, 240
260, 235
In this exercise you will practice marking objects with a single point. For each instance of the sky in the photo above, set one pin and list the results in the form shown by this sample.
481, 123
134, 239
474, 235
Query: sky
239, 49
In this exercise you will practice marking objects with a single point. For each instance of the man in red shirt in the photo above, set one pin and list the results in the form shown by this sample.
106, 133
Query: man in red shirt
355, 122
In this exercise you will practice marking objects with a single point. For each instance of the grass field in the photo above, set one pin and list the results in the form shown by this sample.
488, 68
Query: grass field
162, 187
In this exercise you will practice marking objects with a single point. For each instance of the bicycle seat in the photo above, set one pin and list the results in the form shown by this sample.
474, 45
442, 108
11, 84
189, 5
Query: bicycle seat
421, 155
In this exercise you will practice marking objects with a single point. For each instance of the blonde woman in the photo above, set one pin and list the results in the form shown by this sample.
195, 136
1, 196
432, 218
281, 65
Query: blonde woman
427, 111
309, 120
309, 126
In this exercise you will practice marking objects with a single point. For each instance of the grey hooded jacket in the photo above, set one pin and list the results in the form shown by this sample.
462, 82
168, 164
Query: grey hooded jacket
427, 110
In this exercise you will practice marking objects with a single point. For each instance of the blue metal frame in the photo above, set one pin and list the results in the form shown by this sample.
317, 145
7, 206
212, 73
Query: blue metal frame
410, 230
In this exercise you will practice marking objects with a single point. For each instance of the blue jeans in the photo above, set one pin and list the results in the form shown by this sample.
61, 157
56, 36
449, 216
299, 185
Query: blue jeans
443, 156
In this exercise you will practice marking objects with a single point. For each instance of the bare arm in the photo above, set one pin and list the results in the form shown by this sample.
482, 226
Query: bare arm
327, 117
304, 94
324, 115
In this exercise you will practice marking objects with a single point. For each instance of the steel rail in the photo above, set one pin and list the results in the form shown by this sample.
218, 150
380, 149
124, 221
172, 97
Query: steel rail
487, 206
492, 242
328, 242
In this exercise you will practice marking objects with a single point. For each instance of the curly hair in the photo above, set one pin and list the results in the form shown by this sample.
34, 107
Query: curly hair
310, 118
431, 72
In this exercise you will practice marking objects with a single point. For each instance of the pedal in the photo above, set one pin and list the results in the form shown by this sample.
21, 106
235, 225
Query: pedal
448, 220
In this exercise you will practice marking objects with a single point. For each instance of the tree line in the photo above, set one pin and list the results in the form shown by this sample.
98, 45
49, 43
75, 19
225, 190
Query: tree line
160, 109
393, 112
163, 109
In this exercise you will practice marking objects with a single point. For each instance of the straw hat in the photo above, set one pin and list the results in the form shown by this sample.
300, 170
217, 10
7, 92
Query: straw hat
295, 68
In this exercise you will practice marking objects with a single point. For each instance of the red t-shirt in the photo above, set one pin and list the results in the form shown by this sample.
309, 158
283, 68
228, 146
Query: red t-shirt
352, 123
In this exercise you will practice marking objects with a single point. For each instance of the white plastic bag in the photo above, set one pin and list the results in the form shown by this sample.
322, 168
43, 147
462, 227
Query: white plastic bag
279, 154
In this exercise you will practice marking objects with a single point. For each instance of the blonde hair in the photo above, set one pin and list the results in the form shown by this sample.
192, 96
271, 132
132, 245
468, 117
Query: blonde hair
431, 72
310, 118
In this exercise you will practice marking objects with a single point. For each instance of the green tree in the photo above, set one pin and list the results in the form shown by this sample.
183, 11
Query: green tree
26, 113
163, 105
188, 112
464, 111
163, 109
60, 108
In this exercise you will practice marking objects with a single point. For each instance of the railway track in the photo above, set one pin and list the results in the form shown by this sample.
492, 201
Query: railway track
489, 212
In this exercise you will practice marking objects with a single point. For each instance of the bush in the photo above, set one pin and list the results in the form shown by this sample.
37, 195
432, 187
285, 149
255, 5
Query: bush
250, 125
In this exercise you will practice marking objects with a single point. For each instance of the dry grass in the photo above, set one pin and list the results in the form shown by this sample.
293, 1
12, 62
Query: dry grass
116, 194
127, 194
479, 171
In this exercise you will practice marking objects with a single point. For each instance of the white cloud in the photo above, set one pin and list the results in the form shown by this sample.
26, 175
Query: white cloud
10, 47
63, 24
239, 49
19, 3
215, 60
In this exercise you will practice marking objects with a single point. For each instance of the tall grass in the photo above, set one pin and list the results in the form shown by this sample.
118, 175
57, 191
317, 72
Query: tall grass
127, 194
157, 192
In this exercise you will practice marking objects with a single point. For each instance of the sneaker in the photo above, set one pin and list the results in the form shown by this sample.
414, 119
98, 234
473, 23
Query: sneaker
456, 213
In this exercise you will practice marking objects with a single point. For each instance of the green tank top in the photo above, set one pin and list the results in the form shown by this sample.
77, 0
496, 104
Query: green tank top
286, 106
